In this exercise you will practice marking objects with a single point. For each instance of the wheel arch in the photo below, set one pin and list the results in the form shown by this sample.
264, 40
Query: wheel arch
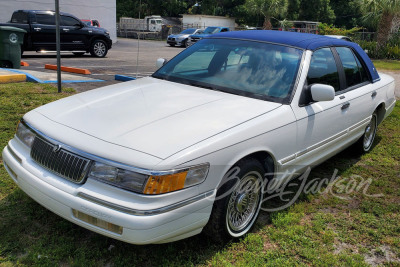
265, 157
380, 111
99, 37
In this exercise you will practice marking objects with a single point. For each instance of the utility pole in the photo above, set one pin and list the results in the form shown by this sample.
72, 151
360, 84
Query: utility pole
58, 45
138, 43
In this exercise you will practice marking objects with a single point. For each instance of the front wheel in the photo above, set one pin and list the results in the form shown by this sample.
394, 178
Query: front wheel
238, 202
98, 48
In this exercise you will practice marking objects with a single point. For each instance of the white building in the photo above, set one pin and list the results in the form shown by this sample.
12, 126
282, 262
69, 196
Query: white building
204, 21
102, 10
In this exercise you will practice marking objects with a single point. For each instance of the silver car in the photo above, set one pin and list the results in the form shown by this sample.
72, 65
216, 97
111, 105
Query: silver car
181, 38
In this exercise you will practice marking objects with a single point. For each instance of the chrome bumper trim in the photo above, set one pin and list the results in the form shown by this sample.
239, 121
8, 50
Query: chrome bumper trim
145, 212
14, 155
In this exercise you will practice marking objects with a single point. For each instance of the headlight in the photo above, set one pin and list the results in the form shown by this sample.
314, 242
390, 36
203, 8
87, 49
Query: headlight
131, 181
25, 134
149, 184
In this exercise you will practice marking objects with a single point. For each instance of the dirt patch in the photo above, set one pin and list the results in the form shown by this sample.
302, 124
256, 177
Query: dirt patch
380, 256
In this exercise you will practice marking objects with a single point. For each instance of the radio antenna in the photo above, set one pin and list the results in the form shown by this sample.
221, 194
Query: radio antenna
138, 40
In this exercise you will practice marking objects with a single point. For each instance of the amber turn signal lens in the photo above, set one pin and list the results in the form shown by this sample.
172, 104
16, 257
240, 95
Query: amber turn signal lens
165, 183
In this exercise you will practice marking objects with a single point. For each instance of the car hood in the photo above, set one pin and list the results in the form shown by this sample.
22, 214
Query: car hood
153, 116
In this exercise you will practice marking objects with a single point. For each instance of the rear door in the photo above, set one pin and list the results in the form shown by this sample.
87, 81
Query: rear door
358, 93
43, 29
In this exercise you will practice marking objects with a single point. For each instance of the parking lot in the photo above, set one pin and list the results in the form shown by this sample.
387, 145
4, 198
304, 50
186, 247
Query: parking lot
121, 59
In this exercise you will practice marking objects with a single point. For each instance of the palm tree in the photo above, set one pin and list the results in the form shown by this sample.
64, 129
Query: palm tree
267, 8
381, 13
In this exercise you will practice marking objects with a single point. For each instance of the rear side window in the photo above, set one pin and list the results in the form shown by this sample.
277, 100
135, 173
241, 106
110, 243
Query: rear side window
68, 21
20, 18
45, 19
323, 69
353, 70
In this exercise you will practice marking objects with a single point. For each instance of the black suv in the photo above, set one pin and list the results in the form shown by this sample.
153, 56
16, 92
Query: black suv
75, 36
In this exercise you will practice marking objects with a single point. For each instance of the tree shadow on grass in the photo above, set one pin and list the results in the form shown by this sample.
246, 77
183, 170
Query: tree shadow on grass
304, 186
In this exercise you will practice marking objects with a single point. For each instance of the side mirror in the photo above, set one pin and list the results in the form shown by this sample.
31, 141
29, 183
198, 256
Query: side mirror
322, 92
161, 62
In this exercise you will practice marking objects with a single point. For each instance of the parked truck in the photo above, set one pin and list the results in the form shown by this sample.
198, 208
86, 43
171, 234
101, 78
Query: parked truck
148, 24
75, 36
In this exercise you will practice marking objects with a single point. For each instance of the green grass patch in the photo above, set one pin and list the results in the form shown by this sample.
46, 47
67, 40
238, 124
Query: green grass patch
320, 229
393, 65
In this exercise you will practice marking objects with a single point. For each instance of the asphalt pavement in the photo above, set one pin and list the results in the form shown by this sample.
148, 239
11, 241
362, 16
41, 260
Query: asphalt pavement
121, 59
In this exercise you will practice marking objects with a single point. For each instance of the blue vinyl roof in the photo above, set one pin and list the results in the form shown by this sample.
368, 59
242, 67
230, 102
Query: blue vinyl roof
301, 40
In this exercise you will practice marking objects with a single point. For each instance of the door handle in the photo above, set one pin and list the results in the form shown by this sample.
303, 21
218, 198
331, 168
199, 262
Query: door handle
374, 93
66, 30
342, 97
345, 105
37, 29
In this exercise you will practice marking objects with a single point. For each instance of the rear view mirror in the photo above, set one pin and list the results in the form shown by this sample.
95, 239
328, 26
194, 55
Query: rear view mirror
161, 62
322, 92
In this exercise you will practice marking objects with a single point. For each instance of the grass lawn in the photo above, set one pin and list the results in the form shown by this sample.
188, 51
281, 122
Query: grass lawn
392, 65
319, 229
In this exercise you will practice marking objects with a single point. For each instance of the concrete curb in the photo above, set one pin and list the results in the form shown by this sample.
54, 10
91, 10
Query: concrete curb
10, 77
67, 69
124, 78
31, 78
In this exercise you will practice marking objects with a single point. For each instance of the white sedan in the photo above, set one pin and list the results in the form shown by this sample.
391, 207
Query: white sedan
191, 148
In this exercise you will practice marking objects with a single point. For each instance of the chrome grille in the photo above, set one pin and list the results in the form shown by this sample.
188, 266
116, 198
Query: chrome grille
59, 161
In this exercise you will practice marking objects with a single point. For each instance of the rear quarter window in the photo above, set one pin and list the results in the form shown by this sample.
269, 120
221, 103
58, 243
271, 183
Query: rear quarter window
20, 18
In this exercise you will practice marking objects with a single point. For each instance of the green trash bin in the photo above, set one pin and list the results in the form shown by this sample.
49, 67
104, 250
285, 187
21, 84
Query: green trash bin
11, 39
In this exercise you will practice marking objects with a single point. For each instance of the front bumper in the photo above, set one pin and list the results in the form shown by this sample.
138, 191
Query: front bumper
165, 226
174, 42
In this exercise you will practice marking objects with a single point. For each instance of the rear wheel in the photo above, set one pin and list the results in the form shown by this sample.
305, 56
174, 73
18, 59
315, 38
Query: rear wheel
6, 64
364, 144
98, 48
238, 202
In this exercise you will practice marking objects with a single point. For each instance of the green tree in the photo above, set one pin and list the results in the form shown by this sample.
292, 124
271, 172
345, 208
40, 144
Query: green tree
316, 10
268, 9
293, 9
382, 14
348, 12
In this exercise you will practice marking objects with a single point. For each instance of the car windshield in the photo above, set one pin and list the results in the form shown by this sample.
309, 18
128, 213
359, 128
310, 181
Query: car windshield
253, 69
188, 31
210, 30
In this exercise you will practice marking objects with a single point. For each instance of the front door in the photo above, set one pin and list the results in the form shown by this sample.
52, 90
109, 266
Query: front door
321, 126
73, 36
